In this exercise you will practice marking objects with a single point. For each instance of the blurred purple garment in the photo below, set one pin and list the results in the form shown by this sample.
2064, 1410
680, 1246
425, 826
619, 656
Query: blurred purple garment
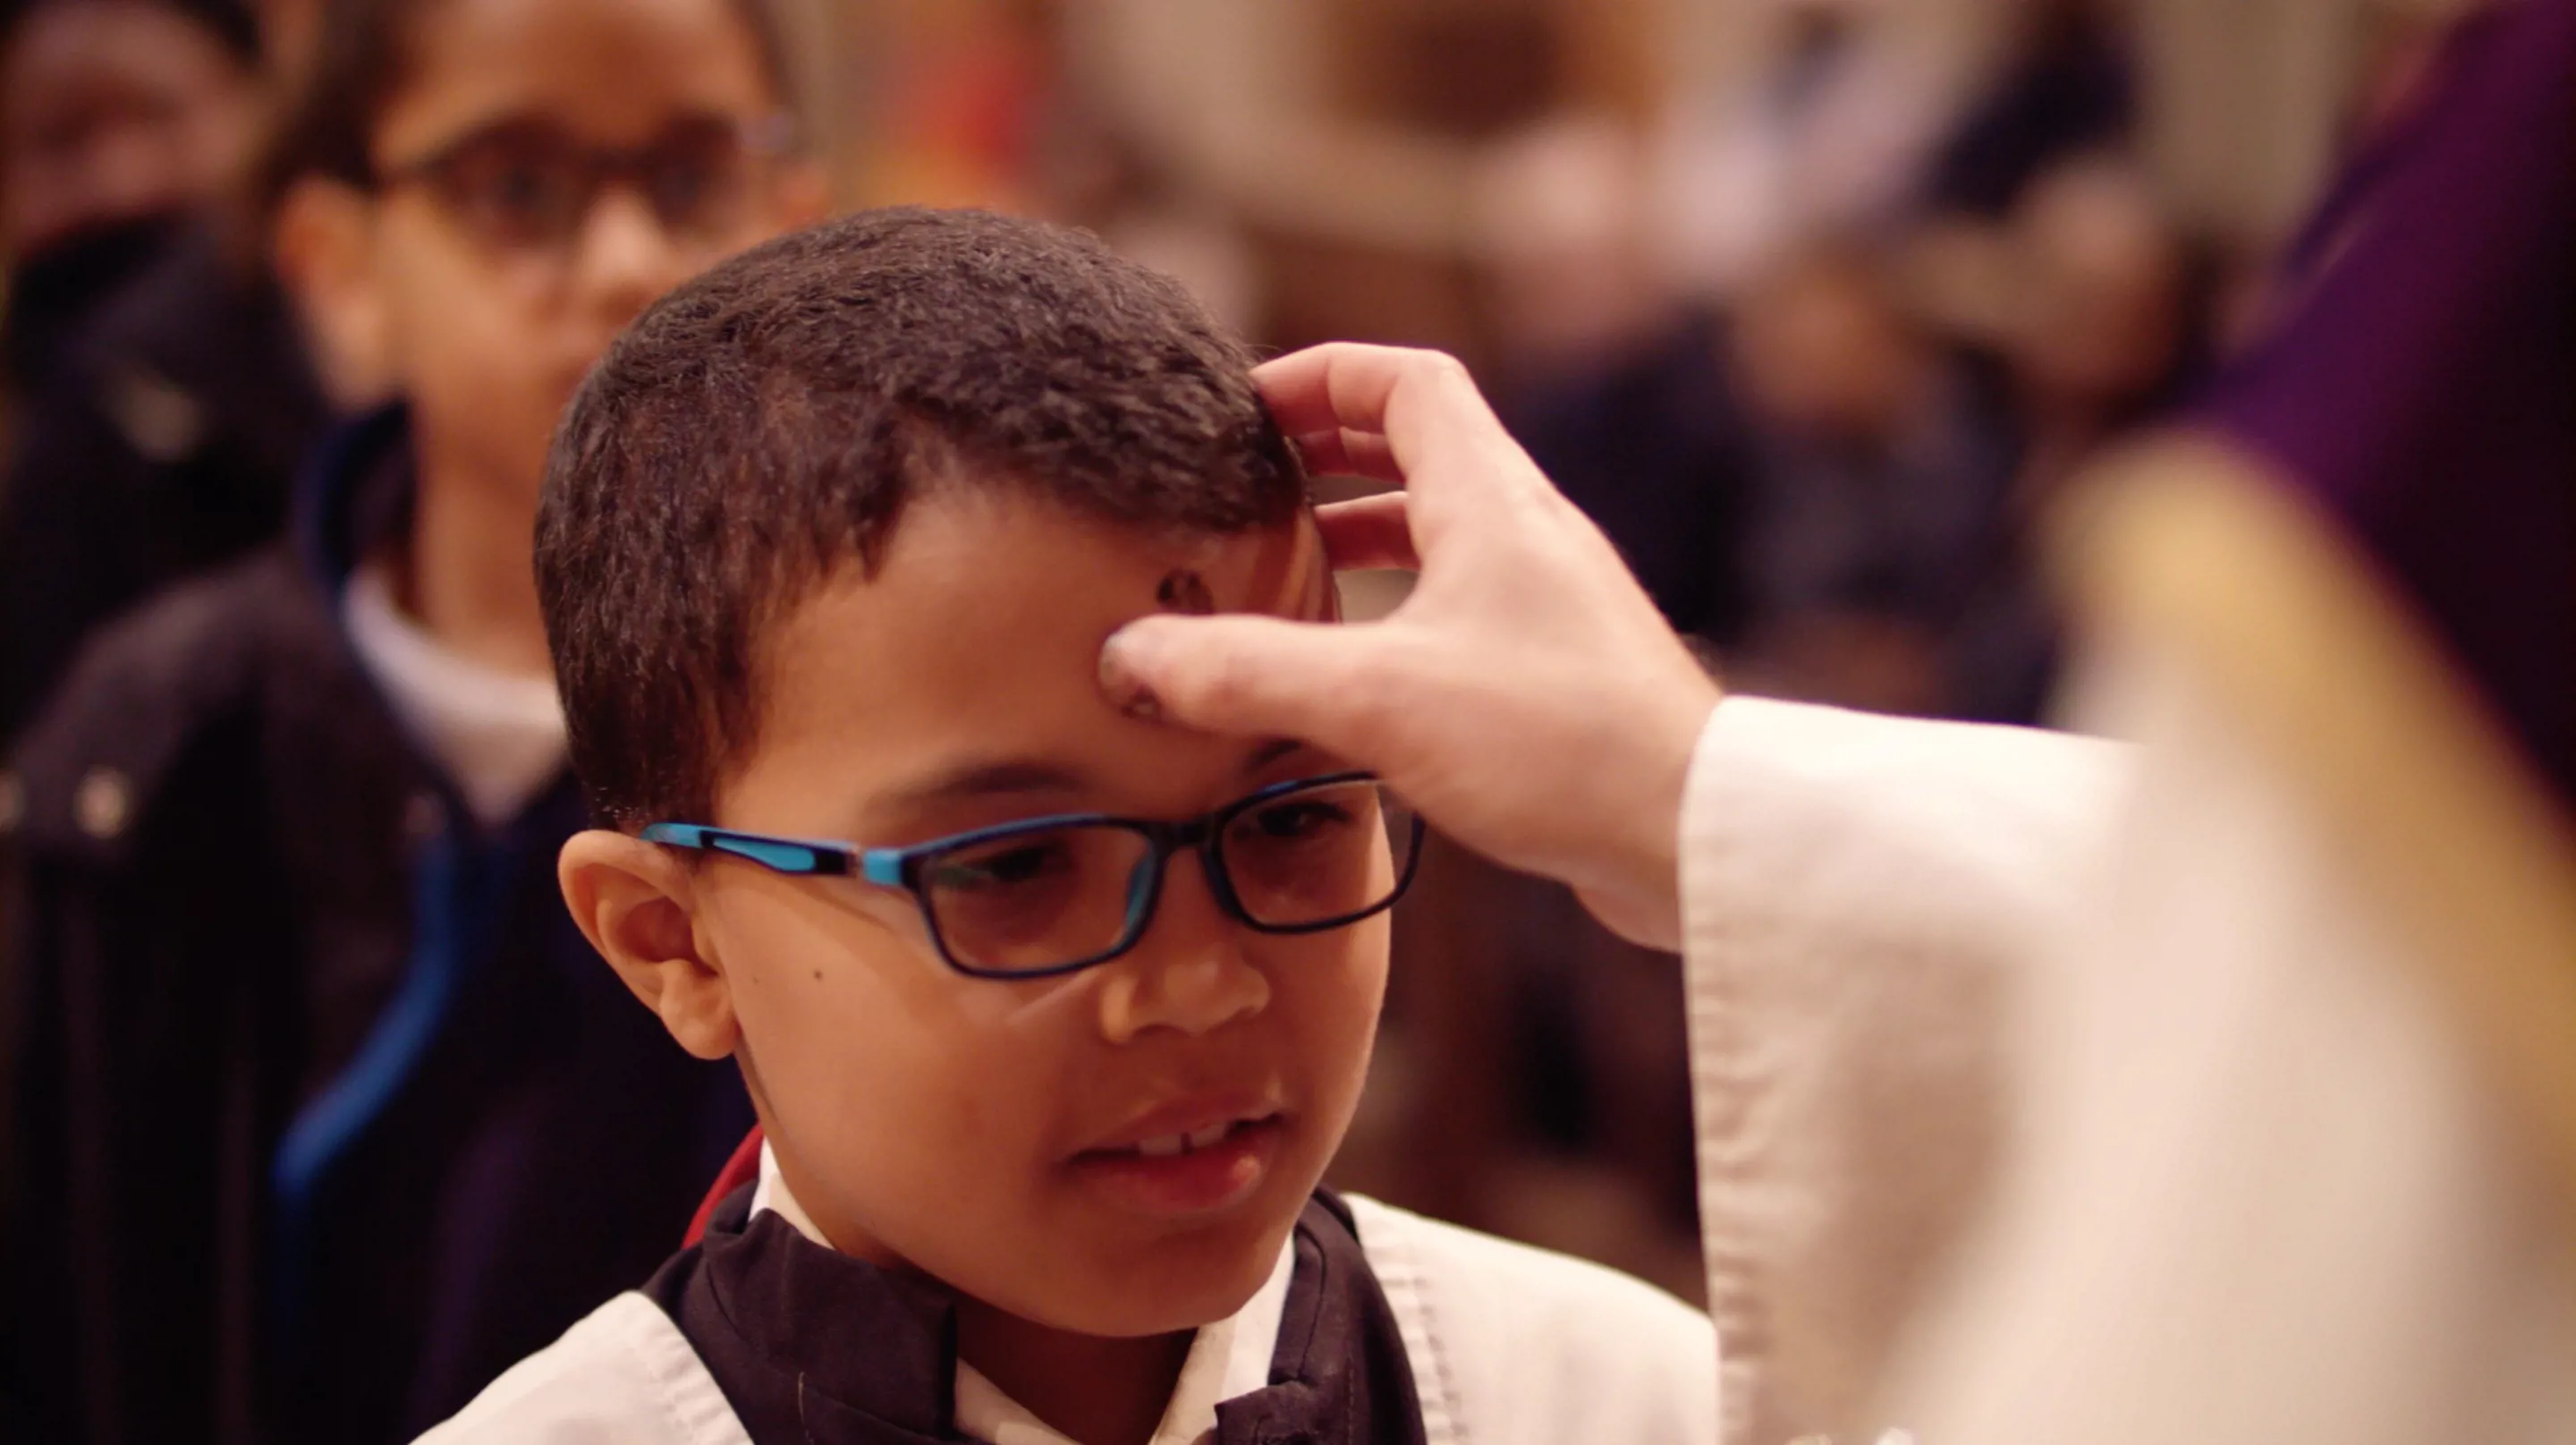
2423, 391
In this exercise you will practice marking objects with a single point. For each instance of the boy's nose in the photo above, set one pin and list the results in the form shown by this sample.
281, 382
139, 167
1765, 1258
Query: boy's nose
1189, 972
622, 258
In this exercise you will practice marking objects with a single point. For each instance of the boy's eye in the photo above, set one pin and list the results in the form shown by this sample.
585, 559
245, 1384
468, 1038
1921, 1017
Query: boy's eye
1035, 901
525, 185
1001, 866
695, 177
518, 194
679, 190
1294, 819
521, 186
1320, 853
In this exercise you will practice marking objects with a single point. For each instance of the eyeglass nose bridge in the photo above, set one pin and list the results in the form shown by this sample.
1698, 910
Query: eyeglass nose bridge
1145, 884
609, 178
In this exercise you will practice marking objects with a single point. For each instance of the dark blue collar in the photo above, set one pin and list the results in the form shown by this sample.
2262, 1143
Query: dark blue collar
354, 495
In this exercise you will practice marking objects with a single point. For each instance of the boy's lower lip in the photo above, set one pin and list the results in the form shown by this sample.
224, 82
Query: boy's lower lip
1201, 1181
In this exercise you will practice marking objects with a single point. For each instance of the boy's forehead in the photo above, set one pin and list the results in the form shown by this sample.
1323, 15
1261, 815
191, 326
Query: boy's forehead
1044, 562
615, 71
975, 640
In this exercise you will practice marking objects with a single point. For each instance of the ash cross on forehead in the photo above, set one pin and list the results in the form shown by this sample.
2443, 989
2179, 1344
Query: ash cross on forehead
1184, 591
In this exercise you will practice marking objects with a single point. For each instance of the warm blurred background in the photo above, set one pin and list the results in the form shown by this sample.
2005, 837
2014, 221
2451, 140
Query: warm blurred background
1813, 304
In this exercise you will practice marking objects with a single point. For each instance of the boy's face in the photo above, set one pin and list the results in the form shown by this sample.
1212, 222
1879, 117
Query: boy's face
982, 1131
111, 111
497, 255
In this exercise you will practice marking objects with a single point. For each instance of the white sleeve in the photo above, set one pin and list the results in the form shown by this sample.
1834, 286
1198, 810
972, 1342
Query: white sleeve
625, 1374
2068, 1091
1861, 896
2261, 1188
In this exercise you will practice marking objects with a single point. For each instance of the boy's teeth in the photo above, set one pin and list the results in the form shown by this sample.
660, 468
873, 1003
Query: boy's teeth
1170, 1144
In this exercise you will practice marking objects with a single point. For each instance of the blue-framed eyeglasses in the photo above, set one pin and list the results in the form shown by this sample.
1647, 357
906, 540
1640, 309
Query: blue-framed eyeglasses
1047, 896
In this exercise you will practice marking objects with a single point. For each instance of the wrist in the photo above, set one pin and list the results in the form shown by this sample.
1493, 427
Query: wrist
1640, 896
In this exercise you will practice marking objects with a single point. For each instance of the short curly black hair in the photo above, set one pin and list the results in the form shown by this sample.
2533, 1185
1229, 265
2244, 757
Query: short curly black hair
765, 424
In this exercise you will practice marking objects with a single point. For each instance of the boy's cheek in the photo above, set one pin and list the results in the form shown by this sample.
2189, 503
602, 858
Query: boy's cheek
1330, 1007
843, 1025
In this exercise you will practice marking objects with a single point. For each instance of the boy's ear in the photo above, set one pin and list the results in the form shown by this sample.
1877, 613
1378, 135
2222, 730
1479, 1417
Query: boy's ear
636, 905
324, 253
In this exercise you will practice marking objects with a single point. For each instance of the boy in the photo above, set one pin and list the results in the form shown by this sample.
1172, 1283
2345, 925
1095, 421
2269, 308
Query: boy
1050, 1057
324, 1115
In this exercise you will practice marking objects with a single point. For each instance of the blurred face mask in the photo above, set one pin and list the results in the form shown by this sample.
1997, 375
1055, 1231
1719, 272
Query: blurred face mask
57, 290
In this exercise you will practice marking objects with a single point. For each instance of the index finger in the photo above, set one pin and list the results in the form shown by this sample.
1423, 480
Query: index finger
1423, 403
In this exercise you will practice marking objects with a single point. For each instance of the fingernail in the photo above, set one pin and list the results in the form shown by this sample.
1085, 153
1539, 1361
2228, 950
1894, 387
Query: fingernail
1120, 658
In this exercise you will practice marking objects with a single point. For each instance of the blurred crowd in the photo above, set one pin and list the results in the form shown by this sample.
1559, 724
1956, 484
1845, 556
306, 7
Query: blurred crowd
1815, 305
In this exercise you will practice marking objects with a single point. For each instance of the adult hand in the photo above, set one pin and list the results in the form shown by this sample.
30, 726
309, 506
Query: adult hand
1527, 696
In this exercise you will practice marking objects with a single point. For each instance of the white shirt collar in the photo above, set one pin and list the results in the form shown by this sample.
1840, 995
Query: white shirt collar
1228, 1358
499, 735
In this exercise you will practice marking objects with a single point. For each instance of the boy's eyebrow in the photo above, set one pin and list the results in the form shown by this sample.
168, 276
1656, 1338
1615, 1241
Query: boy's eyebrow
1271, 752
985, 780
1022, 775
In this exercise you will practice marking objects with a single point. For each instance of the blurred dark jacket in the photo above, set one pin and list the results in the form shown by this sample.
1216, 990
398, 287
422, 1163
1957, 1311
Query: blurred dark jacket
1912, 530
57, 292
161, 445
323, 1112
1653, 448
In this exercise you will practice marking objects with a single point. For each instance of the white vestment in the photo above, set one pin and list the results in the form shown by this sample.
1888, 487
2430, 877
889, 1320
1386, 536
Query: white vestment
1508, 1345
2059, 1090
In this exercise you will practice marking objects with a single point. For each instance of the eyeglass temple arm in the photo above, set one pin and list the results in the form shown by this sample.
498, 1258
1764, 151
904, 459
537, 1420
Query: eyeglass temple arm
783, 855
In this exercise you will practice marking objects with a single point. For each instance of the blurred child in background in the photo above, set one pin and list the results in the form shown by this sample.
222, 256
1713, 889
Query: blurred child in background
324, 1113
117, 119
1877, 481
159, 436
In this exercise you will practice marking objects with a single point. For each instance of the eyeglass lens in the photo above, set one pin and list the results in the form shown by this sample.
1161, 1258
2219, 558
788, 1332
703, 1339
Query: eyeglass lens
1041, 900
526, 187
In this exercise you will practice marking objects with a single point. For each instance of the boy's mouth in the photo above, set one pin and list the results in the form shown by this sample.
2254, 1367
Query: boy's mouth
1167, 1146
1157, 1169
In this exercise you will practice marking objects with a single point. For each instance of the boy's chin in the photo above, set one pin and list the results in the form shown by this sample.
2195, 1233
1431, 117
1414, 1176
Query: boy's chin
1138, 1313
1186, 1283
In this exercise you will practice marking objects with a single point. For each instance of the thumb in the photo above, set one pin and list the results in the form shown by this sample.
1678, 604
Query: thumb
1244, 675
